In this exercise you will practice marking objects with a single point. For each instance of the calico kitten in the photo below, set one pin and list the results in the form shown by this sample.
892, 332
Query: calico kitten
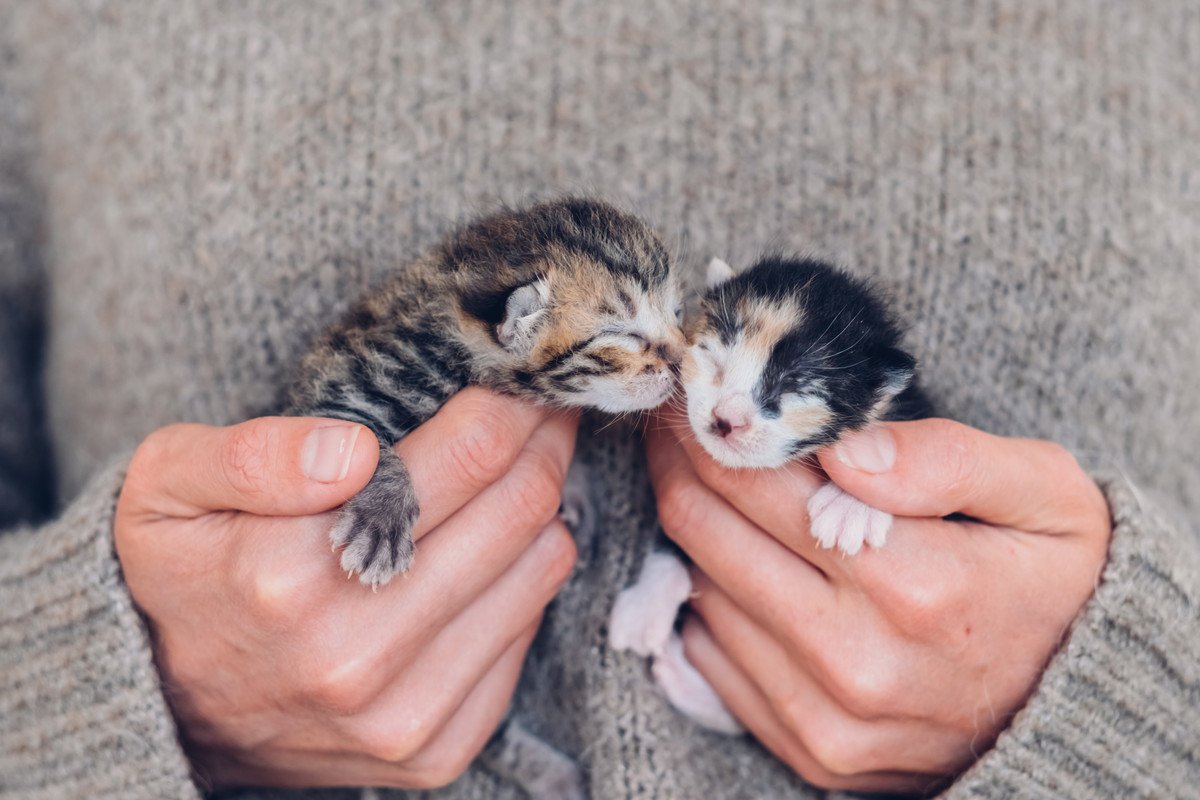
785, 358
569, 303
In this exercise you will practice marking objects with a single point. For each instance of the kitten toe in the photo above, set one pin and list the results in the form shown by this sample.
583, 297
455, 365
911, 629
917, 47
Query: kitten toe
689, 692
376, 543
837, 519
643, 616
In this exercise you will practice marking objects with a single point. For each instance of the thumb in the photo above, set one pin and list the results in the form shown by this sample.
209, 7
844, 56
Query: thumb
936, 467
272, 466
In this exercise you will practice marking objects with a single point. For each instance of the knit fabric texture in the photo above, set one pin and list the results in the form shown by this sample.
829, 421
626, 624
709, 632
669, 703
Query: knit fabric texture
189, 191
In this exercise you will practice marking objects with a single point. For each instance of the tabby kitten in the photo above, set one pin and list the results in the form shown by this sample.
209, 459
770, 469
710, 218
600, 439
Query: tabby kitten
569, 303
785, 358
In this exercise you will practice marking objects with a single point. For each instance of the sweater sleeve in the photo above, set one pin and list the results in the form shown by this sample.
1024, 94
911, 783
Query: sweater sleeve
1117, 712
82, 713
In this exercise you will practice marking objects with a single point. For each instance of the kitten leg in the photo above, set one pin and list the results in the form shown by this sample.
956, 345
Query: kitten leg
643, 615
837, 519
689, 692
374, 528
540, 770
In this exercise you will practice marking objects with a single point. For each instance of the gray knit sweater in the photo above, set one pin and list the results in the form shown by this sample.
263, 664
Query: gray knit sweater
190, 190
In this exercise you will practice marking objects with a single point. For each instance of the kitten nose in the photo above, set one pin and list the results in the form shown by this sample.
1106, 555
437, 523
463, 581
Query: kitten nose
732, 415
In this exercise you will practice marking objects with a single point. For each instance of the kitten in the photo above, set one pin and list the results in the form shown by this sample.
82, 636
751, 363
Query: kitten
785, 358
568, 303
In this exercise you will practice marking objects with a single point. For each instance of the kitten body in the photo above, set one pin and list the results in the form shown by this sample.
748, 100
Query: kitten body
568, 303
784, 358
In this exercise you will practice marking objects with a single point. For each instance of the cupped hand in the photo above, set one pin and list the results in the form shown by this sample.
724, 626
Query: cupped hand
282, 672
894, 669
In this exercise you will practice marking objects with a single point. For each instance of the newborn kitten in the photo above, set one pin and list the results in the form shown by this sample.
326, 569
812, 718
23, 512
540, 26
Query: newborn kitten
784, 359
568, 303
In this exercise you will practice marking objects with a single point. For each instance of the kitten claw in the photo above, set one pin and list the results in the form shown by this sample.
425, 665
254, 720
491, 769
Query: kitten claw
837, 519
374, 529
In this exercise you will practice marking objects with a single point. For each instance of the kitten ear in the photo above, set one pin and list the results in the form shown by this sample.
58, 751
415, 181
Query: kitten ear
524, 311
899, 369
718, 273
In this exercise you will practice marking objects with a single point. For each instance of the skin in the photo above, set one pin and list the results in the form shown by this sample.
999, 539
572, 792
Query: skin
891, 671
283, 673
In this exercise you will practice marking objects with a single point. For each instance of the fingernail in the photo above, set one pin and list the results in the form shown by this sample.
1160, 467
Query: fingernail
327, 452
872, 450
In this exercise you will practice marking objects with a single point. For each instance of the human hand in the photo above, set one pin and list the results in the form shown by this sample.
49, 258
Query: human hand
892, 670
279, 670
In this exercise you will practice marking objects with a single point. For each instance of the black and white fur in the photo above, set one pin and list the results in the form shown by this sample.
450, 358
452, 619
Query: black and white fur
785, 358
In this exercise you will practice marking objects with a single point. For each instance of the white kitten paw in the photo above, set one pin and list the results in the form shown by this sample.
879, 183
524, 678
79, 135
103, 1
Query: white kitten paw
643, 616
689, 692
837, 519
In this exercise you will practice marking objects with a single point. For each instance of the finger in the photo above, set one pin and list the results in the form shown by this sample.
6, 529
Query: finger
432, 683
469, 551
330, 757
470, 444
751, 706
815, 699
774, 499
739, 556
284, 466
935, 467
466, 734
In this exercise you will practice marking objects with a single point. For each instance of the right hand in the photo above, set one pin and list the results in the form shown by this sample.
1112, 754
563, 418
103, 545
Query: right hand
282, 672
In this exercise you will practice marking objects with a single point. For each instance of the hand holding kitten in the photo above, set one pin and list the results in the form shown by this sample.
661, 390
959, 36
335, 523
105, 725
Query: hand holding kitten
283, 673
895, 668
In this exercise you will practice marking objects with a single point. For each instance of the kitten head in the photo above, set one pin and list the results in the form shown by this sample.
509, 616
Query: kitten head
786, 357
576, 306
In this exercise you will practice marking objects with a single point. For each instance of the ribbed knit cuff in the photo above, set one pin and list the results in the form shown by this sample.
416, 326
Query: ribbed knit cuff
81, 710
1117, 713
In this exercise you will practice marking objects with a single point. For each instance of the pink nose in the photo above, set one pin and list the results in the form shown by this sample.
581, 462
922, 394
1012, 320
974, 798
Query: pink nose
731, 416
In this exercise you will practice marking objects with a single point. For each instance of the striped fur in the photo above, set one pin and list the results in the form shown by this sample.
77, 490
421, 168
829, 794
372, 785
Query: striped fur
569, 303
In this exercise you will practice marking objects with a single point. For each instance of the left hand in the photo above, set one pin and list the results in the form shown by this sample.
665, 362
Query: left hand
894, 669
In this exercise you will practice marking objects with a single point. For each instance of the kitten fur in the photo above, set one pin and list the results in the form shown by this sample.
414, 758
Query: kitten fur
788, 356
568, 303
785, 358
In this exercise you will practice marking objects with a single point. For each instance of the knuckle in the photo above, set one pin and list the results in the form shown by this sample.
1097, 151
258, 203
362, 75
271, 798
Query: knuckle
483, 452
274, 594
679, 505
398, 746
341, 685
443, 769
538, 486
868, 690
926, 605
246, 456
560, 555
960, 464
840, 750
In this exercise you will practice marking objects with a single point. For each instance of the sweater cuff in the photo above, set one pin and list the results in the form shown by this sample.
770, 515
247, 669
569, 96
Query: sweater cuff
1117, 712
82, 712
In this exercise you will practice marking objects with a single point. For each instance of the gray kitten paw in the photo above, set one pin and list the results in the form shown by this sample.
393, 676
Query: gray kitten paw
374, 530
